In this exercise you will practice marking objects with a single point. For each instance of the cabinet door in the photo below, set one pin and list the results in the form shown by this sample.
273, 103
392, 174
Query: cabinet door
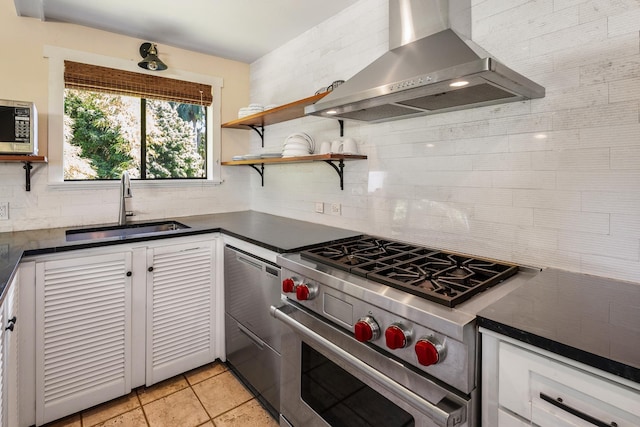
11, 330
83, 324
180, 309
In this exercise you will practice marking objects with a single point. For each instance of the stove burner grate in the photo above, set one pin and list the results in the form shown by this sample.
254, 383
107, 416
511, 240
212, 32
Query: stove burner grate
442, 277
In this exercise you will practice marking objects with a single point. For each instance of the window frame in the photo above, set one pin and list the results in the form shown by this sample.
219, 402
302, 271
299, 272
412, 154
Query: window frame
56, 57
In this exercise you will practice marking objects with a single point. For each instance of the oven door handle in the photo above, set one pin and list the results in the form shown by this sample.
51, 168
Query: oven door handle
439, 416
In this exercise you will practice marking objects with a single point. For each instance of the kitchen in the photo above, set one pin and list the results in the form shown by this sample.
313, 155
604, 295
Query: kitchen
551, 182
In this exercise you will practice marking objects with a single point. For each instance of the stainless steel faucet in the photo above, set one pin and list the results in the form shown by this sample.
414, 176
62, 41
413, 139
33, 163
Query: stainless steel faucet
125, 193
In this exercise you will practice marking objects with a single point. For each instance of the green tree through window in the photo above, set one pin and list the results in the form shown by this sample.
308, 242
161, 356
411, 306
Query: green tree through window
104, 137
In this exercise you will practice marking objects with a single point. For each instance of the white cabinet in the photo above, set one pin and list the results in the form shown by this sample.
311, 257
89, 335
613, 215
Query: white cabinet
524, 385
110, 319
83, 328
180, 315
9, 356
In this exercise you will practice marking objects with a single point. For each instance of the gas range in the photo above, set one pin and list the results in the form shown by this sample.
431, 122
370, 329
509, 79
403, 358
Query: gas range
414, 304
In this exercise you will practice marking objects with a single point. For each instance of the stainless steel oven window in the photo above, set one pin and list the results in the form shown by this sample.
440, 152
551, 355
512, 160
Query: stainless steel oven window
341, 399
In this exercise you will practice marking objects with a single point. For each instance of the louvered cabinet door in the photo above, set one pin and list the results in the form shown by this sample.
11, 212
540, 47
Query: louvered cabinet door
11, 329
180, 309
83, 344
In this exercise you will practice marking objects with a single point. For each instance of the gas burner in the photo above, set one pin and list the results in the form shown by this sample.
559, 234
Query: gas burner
443, 277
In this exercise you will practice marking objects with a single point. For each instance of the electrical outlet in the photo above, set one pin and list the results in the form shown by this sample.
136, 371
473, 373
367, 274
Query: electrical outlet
319, 207
4, 210
335, 208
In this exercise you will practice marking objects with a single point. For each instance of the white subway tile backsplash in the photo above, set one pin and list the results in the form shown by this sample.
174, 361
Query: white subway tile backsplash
584, 159
522, 217
625, 225
548, 199
625, 158
625, 90
613, 202
524, 179
627, 21
622, 113
585, 222
572, 37
502, 162
550, 182
610, 136
594, 244
621, 181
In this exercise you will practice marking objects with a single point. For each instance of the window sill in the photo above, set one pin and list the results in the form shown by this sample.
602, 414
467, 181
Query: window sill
102, 185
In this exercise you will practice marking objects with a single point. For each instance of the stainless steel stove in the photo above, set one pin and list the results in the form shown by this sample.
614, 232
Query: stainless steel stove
397, 318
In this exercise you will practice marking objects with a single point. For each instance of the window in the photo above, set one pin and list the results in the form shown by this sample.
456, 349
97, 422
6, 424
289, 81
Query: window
116, 121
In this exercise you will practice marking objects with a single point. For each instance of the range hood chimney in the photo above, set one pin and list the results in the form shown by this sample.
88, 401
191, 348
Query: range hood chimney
432, 67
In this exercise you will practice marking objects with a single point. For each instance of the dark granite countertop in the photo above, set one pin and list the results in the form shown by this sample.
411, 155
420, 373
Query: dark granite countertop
593, 320
272, 232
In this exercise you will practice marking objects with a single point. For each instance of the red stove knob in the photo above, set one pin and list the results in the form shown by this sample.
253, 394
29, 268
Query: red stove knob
288, 285
366, 329
305, 292
396, 336
429, 351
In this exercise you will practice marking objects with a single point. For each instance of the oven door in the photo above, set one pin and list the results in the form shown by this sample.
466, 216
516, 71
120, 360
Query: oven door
330, 379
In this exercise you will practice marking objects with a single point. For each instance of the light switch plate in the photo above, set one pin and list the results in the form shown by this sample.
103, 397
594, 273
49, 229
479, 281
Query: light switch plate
319, 207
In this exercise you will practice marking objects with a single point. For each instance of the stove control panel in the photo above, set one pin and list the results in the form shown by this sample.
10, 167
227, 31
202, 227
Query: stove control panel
397, 336
304, 291
366, 329
429, 351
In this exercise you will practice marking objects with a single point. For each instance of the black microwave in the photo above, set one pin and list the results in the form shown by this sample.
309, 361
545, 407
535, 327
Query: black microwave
18, 127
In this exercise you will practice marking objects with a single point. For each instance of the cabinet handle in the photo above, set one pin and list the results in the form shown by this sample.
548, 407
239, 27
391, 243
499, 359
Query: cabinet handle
13, 319
558, 403
10, 327
150, 269
129, 274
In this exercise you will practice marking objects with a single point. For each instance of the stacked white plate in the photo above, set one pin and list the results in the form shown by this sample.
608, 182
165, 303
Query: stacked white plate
270, 152
250, 110
298, 145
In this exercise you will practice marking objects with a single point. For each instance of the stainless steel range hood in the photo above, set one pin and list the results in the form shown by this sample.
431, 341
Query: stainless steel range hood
432, 67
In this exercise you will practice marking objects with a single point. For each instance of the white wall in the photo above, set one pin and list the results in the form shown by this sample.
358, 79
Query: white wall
549, 182
24, 75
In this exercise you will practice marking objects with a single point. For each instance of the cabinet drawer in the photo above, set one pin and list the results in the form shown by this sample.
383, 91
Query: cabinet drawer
552, 393
506, 419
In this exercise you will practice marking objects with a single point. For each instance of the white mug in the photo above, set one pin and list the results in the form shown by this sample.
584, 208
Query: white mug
325, 147
349, 146
336, 146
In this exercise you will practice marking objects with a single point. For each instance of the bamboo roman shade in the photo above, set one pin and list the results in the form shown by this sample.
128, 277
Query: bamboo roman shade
120, 82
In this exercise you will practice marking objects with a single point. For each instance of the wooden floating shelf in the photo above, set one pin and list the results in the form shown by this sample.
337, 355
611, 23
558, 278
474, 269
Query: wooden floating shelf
27, 160
330, 159
275, 115
22, 158
310, 158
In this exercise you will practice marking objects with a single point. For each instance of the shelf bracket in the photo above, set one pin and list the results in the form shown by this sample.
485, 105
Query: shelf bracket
339, 169
341, 122
260, 131
27, 168
260, 171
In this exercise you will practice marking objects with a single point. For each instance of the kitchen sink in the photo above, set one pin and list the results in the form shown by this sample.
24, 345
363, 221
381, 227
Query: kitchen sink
123, 231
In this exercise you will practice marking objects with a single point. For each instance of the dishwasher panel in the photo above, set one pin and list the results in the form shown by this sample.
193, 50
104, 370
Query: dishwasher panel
252, 285
252, 335
254, 360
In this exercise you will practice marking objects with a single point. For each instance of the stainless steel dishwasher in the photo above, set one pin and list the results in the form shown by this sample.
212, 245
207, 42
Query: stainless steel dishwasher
252, 336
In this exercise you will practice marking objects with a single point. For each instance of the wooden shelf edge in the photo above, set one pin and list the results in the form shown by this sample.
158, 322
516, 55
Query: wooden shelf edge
312, 158
278, 114
22, 158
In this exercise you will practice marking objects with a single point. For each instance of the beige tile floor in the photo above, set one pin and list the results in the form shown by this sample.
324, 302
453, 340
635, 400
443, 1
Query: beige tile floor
209, 396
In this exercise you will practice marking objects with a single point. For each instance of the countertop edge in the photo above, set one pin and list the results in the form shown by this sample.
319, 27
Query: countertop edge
613, 367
